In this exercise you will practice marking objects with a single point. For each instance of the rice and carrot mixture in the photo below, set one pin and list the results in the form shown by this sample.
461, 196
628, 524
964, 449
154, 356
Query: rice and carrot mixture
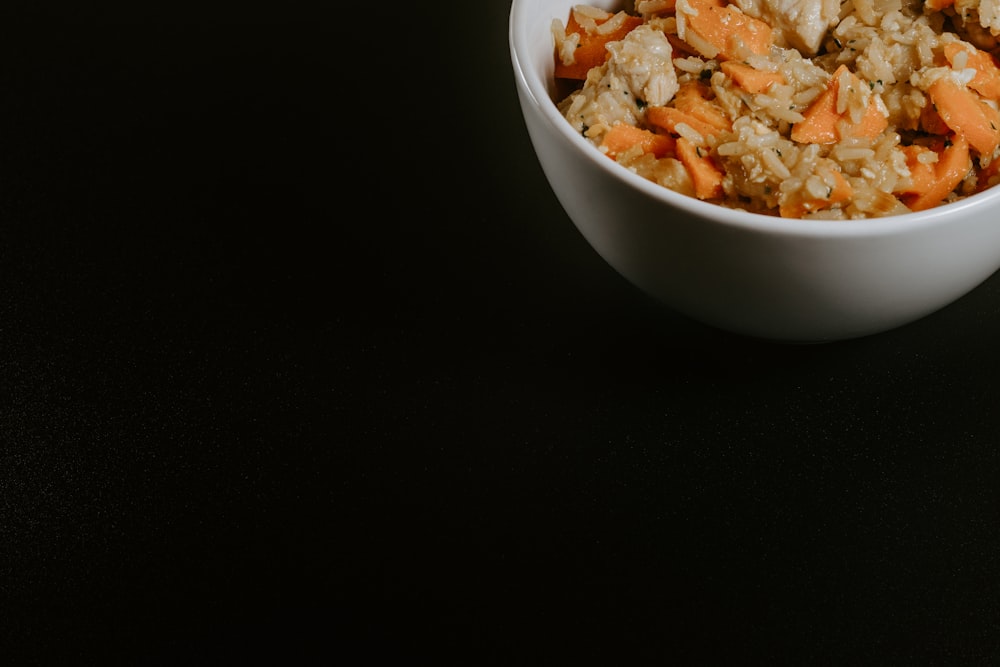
799, 108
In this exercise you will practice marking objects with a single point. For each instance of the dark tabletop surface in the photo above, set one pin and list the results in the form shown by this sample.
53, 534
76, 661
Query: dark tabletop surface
262, 405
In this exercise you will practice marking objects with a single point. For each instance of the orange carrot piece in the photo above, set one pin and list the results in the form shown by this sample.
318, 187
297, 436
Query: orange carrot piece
965, 112
987, 79
873, 123
938, 5
819, 124
592, 50
668, 118
622, 136
749, 79
952, 167
705, 174
931, 122
693, 99
922, 174
799, 205
722, 31
822, 122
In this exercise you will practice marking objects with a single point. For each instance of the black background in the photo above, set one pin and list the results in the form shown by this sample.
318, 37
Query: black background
302, 363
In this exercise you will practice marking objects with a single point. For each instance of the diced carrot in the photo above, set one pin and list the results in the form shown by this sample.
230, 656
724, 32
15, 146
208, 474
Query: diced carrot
922, 174
622, 136
692, 98
952, 167
938, 5
822, 125
872, 124
705, 174
720, 30
819, 124
668, 118
749, 79
965, 112
931, 121
987, 79
592, 50
801, 204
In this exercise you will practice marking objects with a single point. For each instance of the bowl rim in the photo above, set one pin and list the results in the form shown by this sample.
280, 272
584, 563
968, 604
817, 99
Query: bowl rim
529, 81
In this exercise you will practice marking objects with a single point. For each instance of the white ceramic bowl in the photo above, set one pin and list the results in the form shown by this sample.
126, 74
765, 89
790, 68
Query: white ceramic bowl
779, 279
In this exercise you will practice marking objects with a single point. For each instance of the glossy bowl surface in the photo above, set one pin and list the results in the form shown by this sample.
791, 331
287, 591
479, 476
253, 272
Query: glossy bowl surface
779, 279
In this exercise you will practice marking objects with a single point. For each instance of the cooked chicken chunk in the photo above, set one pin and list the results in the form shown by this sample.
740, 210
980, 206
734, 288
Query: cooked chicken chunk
638, 72
643, 61
801, 24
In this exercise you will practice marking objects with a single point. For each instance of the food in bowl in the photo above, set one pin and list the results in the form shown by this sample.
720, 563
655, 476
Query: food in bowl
798, 279
800, 109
